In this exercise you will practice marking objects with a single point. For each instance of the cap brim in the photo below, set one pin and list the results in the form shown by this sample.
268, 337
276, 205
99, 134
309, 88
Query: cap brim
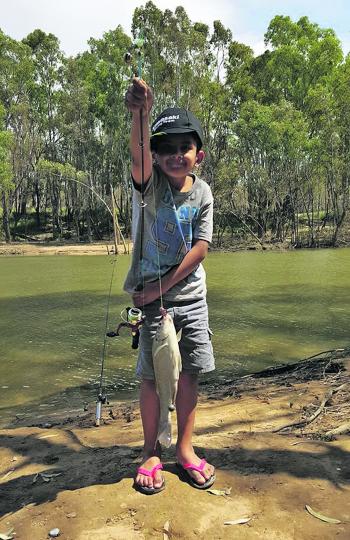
158, 134
174, 131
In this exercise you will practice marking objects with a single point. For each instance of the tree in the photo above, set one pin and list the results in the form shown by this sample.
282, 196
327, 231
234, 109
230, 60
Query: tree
16, 71
6, 172
302, 55
272, 144
220, 40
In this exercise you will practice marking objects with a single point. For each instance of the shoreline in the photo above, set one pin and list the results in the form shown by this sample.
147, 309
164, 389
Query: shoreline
107, 248
319, 366
59, 248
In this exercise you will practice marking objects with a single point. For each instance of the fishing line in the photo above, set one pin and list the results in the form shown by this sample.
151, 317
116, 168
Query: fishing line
157, 243
141, 285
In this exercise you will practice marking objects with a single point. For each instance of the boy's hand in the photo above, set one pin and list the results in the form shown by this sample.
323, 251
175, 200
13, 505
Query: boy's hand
139, 96
149, 293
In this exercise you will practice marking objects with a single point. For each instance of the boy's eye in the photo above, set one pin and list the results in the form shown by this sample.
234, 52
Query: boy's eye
185, 148
166, 149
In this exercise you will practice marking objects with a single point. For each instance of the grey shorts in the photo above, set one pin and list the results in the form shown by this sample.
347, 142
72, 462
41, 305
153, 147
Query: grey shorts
195, 343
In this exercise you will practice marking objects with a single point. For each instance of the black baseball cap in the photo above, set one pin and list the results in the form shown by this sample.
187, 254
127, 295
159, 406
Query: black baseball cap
176, 120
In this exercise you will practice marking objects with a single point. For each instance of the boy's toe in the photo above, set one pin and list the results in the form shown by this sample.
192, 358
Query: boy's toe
149, 481
158, 480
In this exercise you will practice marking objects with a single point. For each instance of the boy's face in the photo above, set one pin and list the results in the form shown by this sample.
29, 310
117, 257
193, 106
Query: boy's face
176, 154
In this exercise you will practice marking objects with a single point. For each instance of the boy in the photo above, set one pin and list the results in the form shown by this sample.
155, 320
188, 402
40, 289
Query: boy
172, 240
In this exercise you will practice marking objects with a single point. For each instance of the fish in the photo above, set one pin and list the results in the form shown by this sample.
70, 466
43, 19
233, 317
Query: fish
167, 367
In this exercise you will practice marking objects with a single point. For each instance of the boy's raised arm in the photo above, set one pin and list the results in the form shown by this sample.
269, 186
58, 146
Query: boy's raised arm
138, 98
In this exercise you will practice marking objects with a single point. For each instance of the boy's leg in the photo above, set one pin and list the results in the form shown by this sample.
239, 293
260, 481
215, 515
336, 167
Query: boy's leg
149, 401
149, 406
186, 402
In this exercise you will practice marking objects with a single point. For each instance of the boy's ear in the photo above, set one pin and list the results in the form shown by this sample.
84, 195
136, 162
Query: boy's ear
200, 156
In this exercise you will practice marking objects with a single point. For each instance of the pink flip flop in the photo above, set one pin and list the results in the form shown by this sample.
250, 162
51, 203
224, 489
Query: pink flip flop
145, 489
199, 468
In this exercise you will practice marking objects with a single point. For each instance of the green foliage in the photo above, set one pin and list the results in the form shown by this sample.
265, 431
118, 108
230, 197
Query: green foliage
63, 170
302, 56
277, 125
6, 142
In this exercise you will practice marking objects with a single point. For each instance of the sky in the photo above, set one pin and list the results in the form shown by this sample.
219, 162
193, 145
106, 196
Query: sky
75, 21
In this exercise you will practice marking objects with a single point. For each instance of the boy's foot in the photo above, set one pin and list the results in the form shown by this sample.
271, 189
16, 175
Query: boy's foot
199, 473
149, 479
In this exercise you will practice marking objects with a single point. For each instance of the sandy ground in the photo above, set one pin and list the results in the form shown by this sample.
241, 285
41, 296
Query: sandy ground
264, 476
56, 248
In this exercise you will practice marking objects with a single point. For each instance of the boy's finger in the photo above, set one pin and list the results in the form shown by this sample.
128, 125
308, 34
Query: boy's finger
134, 100
132, 97
138, 299
139, 86
136, 81
138, 95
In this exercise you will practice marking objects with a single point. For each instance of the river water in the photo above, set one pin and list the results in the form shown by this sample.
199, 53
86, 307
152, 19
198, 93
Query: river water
265, 308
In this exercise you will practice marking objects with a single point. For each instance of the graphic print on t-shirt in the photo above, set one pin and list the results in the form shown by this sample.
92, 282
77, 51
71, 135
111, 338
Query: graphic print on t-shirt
171, 235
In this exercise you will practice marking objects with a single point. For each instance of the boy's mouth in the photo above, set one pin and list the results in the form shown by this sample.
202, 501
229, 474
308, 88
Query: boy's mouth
177, 163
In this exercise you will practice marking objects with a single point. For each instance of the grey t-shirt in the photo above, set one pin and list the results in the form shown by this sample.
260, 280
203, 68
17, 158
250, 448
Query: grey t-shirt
172, 220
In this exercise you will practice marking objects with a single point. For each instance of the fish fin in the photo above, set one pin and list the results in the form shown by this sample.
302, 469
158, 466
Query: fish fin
164, 433
172, 405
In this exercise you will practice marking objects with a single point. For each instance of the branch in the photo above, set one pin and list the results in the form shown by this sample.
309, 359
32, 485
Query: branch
343, 428
246, 226
313, 417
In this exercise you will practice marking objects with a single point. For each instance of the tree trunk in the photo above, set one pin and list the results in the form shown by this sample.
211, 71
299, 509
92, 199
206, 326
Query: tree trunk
115, 221
6, 219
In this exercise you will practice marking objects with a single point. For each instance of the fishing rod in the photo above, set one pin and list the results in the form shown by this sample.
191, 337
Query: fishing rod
132, 318
138, 47
138, 44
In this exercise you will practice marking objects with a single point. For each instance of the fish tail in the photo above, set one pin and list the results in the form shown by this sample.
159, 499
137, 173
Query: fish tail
164, 432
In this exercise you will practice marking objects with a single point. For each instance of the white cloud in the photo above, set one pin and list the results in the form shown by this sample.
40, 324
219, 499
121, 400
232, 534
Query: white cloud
256, 42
